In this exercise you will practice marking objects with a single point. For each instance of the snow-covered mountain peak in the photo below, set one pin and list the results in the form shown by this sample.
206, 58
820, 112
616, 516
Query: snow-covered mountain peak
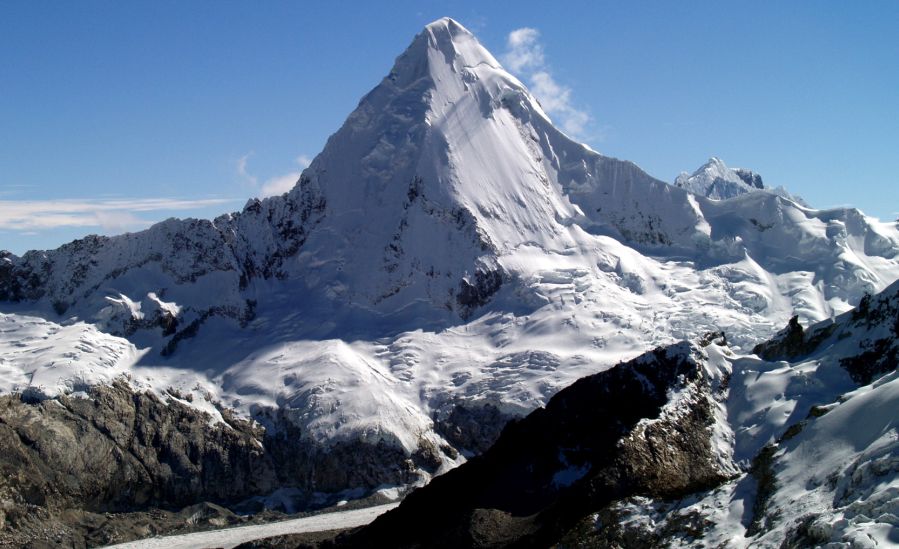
715, 166
446, 182
456, 43
443, 47
715, 180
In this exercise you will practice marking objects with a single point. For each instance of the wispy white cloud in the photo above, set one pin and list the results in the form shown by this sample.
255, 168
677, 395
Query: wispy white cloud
272, 186
242, 170
524, 52
524, 56
279, 184
28, 216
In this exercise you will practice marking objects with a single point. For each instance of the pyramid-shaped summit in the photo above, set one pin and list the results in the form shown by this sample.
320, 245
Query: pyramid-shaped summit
456, 166
443, 43
447, 185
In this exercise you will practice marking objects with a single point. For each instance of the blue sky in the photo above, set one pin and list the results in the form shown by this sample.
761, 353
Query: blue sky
117, 114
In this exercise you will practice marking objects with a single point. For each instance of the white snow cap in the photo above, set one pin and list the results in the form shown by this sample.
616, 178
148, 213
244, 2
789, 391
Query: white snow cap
456, 43
441, 52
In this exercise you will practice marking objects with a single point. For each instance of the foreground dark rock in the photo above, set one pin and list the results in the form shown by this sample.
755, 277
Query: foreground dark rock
472, 428
606, 437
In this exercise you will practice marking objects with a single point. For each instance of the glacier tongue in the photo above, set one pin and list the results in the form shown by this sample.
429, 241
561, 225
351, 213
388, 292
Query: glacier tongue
449, 245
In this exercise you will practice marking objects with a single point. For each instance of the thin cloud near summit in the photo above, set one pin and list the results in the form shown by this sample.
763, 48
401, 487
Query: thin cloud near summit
524, 56
274, 185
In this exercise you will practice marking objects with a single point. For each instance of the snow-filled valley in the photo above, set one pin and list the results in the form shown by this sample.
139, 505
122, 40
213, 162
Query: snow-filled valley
450, 250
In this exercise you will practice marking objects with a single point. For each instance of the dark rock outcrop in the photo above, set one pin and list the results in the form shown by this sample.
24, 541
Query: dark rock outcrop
879, 353
476, 291
604, 438
750, 178
472, 428
793, 342
871, 330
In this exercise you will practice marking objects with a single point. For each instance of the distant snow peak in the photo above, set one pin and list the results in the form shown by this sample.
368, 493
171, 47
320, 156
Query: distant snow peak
716, 181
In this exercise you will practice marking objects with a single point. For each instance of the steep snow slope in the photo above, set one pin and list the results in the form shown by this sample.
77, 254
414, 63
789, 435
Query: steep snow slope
448, 246
838, 480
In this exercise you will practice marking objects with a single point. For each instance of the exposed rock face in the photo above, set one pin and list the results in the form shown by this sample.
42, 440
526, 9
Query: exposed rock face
642, 427
878, 354
877, 317
787, 344
750, 177
472, 428
119, 450
122, 451
477, 291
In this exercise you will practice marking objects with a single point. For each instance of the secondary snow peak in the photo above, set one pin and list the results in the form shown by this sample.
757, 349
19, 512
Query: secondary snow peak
715, 180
